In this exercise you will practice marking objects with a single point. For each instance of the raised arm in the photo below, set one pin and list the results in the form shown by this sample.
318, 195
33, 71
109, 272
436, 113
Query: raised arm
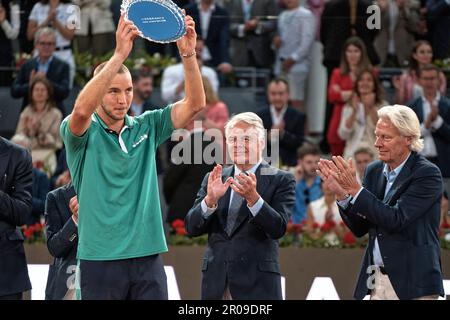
90, 97
194, 101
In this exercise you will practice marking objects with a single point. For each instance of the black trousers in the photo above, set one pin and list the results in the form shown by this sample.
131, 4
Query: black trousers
15, 296
140, 278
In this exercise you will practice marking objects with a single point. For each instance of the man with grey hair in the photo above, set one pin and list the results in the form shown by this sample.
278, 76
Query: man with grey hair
244, 209
44, 64
398, 206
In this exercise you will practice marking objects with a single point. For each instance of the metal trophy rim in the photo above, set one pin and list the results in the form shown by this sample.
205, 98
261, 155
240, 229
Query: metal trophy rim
167, 4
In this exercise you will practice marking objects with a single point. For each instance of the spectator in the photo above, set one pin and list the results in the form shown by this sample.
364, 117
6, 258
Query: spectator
212, 24
172, 83
216, 111
353, 59
361, 158
39, 123
399, 23
308, 187
288, 123
438, 22
315, 96
16, 183
342, 19
96, 32
45, 64
433, 111
251, 32
359, 115
407, 86
61, 229
55, 14
9, 30
296, 27
142, 91
185, 173
26, 46
41, 186
61, 176
323, 209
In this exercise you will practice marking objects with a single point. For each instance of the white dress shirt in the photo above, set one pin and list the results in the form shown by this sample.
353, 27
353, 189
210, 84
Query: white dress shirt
429, 147
206, 211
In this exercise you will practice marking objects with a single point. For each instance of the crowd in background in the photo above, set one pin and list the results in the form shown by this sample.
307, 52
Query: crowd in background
291, 38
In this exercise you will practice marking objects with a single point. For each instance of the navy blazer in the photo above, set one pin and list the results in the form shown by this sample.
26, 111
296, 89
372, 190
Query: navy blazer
57, 74
218, 38
247, 259
441, 136
406, 224
16, 183
294, 131
62, 241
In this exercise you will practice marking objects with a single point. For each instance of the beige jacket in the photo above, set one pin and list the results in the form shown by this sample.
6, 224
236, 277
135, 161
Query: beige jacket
407, 24
42, 129
98, 14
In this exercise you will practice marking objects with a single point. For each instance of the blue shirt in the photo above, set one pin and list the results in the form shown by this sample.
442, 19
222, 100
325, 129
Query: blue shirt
304, 196
390, 179
43, 67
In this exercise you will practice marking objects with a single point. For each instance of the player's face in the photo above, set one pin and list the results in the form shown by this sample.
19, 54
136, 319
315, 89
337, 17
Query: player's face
117, 100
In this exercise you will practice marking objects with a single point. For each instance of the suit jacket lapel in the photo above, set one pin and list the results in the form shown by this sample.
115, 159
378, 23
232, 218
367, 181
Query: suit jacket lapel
381, 185
67, 194
4, 159
261, 184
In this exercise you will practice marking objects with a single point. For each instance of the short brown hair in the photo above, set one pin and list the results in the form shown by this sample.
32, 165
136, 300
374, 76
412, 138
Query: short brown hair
364, 149
307, 149
277, 81
428, 67
122, 69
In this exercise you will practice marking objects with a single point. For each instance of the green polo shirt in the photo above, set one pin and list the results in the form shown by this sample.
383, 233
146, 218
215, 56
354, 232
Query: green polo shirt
117, 186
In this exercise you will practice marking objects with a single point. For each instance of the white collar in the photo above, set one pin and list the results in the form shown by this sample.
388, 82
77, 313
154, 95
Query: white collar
251, 170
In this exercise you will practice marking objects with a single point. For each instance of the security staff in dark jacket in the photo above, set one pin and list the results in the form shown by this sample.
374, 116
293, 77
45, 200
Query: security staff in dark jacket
61, 218
16, 183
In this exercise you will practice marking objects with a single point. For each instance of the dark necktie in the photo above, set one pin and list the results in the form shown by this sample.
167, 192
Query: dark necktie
233, 212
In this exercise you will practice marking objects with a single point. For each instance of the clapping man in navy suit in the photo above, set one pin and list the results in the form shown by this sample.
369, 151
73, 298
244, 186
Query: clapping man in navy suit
244, 209
398, 205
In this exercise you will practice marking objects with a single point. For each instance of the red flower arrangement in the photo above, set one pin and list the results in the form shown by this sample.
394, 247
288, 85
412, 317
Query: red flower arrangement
328, 226
178, 227
349, 238
34, 233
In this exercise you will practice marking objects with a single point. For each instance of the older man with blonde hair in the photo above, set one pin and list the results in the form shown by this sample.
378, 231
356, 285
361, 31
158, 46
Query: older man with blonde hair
244, 209
398, 205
